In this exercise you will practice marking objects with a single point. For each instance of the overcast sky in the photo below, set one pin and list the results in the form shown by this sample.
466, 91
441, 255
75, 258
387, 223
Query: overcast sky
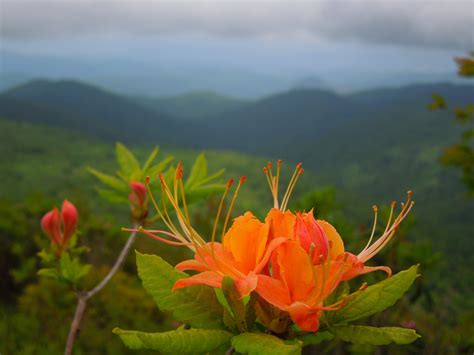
435, 23
278, 37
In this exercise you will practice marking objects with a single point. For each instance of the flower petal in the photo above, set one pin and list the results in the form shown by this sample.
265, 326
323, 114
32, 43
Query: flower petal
273, 291
304, 316
336, 245
208, 278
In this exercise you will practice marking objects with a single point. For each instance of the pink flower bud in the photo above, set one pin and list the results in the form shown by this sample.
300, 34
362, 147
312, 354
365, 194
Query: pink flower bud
51, 225
138, 194
60, 226
69, 216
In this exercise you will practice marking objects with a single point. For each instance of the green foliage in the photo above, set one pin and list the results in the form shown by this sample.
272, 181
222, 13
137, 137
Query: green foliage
180, 341
316, 338
376, 298
359, 334
239, 315
196, 305
264, 344
130, 170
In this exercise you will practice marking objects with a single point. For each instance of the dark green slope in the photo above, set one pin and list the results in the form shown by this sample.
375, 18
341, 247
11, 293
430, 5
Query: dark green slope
71, 104
278, 124
193, 105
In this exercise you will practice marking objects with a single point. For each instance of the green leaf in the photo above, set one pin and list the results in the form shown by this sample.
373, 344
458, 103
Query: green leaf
199, 193
128, 163
376, 298
317, 338
242, 315
264, 344
108, 180
151, 158
129, 338
210, 178
359, 334
179, 341
112, 196
157, 168
198, 171
49, 272
196, 305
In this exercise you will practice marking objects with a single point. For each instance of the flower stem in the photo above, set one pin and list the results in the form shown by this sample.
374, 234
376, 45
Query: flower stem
84, 296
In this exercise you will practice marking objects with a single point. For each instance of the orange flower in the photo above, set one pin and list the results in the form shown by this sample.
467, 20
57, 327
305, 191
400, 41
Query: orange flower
293, 261
245, 250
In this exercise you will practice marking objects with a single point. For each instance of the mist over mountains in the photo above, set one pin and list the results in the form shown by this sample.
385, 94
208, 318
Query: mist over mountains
175, 75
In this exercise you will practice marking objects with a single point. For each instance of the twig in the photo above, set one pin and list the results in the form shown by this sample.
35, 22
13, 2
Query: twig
83, 297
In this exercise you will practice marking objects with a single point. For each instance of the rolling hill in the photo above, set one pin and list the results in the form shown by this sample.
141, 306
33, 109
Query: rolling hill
193, 105
92, 110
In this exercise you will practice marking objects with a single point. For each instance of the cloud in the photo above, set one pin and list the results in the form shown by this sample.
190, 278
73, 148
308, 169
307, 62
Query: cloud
424, 23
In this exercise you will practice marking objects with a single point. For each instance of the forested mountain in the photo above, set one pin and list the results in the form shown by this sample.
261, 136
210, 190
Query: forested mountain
193, 105
92, 110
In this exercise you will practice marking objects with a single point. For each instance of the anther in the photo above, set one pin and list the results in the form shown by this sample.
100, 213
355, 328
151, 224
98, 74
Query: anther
230, 183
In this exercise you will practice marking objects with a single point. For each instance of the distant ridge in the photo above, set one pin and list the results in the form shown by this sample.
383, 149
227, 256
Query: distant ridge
72, 104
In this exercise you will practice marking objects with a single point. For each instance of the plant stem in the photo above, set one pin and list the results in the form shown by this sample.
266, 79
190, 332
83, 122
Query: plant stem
83, 297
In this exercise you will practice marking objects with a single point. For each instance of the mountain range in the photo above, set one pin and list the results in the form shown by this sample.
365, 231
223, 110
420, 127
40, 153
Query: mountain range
372, 145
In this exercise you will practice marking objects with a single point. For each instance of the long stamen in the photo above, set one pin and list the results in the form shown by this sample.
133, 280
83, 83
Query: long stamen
298, 171
375, 208
277, 182
389, 232
231, 206
166, 219
218, 215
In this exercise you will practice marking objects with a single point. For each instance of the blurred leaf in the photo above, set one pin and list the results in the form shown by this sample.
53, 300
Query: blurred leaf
210, 178
151, 159
377, 297
158, 168
198, 171
180, 341
359, 334
128, 163
264, 344
49, 272
112, 196
203, 192
465, 66
438, 103
109, 180
196, 305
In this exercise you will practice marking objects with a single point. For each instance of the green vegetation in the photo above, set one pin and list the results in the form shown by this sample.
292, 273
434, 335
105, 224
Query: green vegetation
369, 148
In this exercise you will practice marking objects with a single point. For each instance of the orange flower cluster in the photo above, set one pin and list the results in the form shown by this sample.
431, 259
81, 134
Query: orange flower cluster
291, 260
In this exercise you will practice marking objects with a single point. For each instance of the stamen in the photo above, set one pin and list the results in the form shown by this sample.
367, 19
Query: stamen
219, 211
298, 171
375, 208
388, 233
231, 206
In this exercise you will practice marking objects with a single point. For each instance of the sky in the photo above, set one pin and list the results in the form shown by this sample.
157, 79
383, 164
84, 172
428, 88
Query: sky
285, 38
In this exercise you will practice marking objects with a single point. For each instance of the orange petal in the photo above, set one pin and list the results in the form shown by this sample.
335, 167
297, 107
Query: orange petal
208, 278
296, 270
305, 317
336, 245
282, 223
246, 240
246, 285
191, 265
273, 291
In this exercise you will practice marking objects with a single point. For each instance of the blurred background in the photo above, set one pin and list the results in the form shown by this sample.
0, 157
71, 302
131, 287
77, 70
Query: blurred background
345, 86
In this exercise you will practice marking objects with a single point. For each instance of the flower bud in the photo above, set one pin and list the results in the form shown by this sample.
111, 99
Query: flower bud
60, 226
138, 200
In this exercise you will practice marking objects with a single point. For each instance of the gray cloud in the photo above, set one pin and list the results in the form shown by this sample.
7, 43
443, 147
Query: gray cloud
435, 23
